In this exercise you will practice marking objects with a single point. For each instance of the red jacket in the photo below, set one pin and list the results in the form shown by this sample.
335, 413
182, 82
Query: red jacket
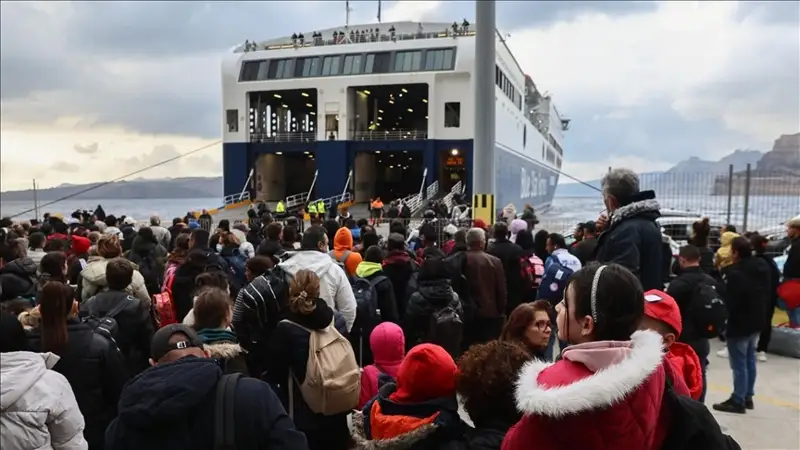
686, 365
601, 396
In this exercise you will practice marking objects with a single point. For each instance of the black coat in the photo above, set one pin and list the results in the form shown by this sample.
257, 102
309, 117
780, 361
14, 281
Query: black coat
791, 268
18, 279
585, 250
183, 288
488, 436
95, 371
682, 289
288, 350
398, 267
510, 254
748, 296
171, 406
633, 240
431, 296
134, 326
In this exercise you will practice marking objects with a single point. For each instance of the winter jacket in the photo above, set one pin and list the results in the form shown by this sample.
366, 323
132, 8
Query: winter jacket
431, 296
183, 287
93, 280
398, 267
36, 255
384, 289
686, 364
585, 250
486, 282
612, 391
288, 355
171, 407
223, 346
256, 313
39, 410
335, 288
95, 370
509, 255
342, 243
791, 268
151, 259
385, 424
682, 289
18, 279
163, 236
134, 326
488, 436
633, 240
271, 249
388, 349
724, 256
747, 296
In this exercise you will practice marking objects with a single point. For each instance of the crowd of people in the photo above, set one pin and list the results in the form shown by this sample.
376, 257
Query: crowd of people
281, 336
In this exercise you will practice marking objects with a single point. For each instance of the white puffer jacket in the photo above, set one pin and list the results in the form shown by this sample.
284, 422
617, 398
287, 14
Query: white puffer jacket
39, 410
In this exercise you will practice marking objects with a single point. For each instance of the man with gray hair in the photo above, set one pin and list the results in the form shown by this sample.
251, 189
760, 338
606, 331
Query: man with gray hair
631, 236
486, 283
162, 235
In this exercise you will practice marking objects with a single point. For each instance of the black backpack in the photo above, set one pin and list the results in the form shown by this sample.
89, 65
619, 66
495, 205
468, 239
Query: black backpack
224, 417
368, 312
693, 427
446, 329
148, 268
107, 325
708, 311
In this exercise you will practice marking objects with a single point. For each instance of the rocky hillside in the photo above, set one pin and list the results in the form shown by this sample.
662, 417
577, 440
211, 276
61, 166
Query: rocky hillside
195, 187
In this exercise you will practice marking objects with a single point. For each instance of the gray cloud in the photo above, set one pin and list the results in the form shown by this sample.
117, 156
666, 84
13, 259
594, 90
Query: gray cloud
65, 167
86, 149
200, 163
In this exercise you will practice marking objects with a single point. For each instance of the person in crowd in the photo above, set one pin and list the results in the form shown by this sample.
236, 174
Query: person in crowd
449, 243
540, 244
585, 249
53, 267
135, 328
39, 408
150, 258
17, 272
212, 320
428, 238
89, 360
487, 377
398, 266
178, 227
36, 251
388, 344
289, 239
200, 240
331, 227
559, 254
662, 315
611, 379
80, 249
288, 357
558, 269
433, 294
724, 256
683, 289
631, 237
162, 235
759, 244
516, 226
747, 287
530, 326
256, 267
486, 284
93, 277
701, 231
531, 267
510, 255
128, 229
419, 409
176, 257
577, 235
343, 252
111, 226
184, 378
229, 249
271, 246
211, 279
368, 239
370, 269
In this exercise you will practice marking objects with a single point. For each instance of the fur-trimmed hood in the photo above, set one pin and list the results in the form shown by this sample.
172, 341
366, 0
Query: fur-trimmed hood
645, 204
223, 350
617, 369
402, 442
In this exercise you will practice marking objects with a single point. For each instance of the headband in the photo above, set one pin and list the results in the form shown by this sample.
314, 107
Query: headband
595, 282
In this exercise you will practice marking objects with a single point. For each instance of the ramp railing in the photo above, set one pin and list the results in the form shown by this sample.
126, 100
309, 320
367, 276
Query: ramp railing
297, 199
236, 198
332, 202
456, 189
432, 190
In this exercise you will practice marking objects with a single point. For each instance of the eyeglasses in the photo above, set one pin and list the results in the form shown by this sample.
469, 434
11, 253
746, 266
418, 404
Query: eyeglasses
542, 325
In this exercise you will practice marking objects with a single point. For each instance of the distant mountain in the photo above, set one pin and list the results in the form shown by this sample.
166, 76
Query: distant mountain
739, 159
192, 187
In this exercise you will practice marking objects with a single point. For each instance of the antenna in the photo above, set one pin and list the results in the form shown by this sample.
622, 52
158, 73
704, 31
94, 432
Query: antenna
347, 13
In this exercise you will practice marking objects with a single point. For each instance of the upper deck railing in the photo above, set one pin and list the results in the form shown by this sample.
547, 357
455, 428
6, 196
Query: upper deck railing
355, 37
297, 136
389, 135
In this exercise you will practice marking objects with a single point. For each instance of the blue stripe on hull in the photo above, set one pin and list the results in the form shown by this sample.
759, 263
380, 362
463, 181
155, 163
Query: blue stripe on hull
521, 181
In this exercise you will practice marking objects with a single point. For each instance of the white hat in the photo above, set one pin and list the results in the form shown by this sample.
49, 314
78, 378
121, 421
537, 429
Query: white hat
129, 221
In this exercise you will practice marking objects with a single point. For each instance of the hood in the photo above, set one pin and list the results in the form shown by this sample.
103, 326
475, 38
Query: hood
397, 257
312, 260
343, 240
95, 271
437, 292
20, 371
80, 245
686, 364
223, 350
727, 237
518, 225
645, 206
22, 267
366, 269
142, 246
167, 394
618, 369
388, 346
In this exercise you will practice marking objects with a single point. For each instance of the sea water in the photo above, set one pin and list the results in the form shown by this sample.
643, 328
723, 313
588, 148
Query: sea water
139, 209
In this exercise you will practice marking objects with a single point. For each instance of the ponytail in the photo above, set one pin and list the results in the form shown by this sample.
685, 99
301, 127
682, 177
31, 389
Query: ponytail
55, 305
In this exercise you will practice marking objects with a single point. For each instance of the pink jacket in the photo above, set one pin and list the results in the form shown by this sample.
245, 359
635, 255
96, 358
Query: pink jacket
388, 346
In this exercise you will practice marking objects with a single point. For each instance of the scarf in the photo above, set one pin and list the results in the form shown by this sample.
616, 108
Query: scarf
211, 335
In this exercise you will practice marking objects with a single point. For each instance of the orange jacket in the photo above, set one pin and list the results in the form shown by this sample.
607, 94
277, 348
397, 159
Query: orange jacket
685, 362
343, 242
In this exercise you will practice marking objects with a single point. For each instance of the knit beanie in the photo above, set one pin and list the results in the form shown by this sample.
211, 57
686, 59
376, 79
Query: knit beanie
428, 372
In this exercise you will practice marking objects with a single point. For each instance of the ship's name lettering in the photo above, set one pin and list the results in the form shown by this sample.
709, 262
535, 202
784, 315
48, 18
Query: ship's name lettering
532, 184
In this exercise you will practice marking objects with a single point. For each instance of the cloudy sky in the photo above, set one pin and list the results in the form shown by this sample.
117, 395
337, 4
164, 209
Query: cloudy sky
92, 91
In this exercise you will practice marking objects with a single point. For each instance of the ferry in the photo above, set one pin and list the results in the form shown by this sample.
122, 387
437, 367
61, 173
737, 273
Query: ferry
382, 109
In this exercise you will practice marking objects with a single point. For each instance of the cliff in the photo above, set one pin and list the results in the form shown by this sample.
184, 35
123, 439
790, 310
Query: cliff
193, 187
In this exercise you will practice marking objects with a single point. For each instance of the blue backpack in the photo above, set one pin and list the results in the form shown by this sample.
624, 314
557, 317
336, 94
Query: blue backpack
554, 282
236, 266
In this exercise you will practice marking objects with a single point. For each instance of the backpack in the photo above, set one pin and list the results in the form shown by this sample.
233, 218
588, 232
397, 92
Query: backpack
342, 260
368, 312
163, 304
554, 281
149, 270
532, 270
693, 426
107, 325
236, 266
708, 311
333, 379
446, 329
224, 407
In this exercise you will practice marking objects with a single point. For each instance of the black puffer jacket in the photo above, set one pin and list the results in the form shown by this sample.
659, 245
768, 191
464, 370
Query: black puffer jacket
488, 436
431, 296
510, 254
94, 368
398, 266
18, 279
747, 296
151, 258
633, 240
135, 328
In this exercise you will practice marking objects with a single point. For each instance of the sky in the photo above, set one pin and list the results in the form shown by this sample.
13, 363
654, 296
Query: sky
92, 91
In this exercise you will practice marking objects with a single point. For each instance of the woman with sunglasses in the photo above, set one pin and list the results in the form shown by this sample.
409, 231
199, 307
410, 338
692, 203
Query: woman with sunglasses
530, 325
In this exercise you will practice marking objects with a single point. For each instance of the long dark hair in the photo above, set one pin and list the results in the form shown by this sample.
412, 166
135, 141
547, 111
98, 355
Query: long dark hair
55, 305
51, 267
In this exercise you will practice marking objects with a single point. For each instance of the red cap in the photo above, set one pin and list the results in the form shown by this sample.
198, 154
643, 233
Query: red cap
479, 223
427, 372
660, 306
80, 245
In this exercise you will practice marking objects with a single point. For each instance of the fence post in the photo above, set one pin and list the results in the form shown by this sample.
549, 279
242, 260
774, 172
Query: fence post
730, 192
746, 198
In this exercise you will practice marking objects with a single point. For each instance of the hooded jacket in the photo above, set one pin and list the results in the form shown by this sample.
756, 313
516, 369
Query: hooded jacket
343, 242
612, 392
171, 406
686, 364
163, 235
509, 255
223, 346
334, 286
724, 256
431, 296
399, 267
633, 240
39, 410
747, 296
388, 346
387, 304
93, 280
18, 279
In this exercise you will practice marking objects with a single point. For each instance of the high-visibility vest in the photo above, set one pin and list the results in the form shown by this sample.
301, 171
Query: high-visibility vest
321, 207
281, 208
312, 208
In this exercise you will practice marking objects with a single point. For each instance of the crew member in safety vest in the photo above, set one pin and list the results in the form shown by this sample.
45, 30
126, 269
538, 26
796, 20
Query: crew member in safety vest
280, 209
376, 210
312, 209
321, 208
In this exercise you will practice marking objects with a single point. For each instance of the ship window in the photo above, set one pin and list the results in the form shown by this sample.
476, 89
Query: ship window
263, 67
452, 115
383, 63
369, 64
334, 64
232, 120
352, 65
276, 69
310, 67
356, 64
429, 60
416, 62
448, 60
408, 61
288, 68
398, 61
249, 71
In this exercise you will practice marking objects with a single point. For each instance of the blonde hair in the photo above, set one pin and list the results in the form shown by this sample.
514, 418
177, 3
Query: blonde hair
108, 246
94, 236
30, 319
304, 292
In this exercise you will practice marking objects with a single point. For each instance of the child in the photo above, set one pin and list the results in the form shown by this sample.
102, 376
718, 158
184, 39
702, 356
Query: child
661, 314
388, 346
